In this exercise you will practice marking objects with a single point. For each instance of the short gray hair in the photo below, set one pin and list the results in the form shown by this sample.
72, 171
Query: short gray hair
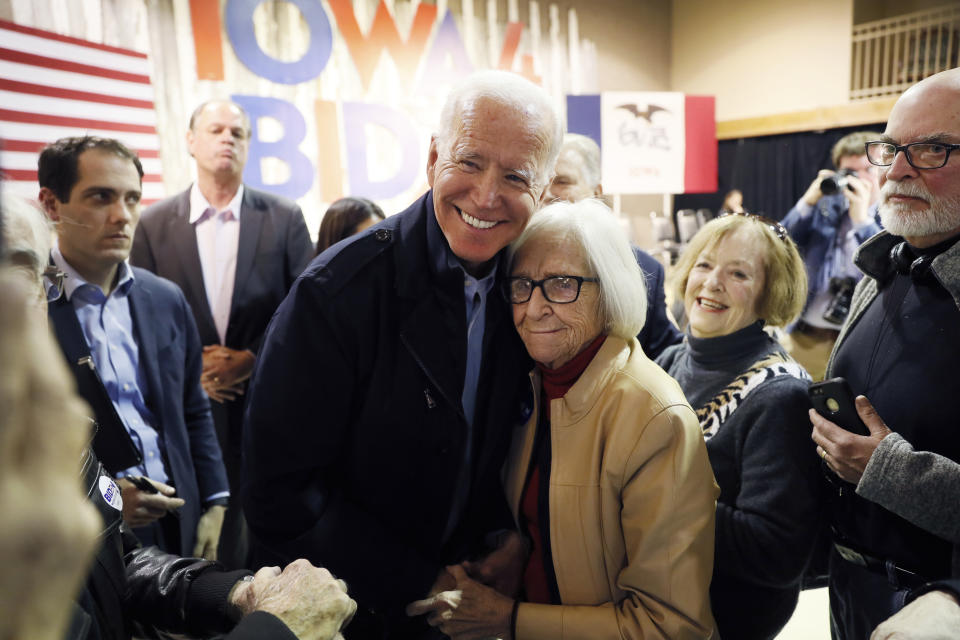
28, 236
203, 105
591, 224
515, 92
589, 152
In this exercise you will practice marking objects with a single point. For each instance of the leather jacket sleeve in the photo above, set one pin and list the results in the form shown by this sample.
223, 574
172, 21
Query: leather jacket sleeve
172, 593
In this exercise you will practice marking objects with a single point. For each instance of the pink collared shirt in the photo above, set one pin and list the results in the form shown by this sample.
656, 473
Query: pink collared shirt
218, 235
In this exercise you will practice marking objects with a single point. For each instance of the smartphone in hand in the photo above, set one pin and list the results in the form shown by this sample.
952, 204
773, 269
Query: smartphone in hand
834, 401
143, 484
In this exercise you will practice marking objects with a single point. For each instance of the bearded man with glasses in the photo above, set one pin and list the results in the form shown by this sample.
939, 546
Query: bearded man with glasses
895, 513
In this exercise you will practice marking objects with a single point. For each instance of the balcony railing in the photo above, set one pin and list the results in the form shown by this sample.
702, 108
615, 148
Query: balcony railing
890, 55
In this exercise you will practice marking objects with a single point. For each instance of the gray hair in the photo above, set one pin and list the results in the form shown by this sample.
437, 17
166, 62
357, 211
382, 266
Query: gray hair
28, 236
591, 224
515, 92
203, 105
589, 152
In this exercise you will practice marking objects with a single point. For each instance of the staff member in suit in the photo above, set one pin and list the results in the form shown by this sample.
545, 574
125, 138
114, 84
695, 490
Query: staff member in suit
138, 331
234, 251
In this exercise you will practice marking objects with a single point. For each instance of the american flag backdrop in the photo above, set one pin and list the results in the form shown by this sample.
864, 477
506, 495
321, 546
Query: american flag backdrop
53, 86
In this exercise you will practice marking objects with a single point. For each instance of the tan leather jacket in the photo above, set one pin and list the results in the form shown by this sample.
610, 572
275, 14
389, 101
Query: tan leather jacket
632, 505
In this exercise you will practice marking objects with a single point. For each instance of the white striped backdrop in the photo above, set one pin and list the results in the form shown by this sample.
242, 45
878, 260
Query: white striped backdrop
162, 29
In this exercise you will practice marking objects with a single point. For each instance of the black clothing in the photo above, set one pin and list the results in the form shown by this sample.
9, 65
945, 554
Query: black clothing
898, 348
889, 359
658, 331
354, 437
758, 440
135, 590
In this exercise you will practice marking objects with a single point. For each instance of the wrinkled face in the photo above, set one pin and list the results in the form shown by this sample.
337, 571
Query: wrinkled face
725, 285
922, 205
95, 226
864, 170
570, 183
486, 179
219, 140
554, 333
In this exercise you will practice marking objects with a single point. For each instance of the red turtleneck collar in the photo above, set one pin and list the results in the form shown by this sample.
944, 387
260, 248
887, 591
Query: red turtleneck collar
556, 382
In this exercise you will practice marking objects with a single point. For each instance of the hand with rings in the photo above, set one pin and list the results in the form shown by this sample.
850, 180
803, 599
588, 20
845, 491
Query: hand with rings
848, 452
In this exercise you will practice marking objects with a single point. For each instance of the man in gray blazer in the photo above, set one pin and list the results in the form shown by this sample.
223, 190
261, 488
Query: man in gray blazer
234, 251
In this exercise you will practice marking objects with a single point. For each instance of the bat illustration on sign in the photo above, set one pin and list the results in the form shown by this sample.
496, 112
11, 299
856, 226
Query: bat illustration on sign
646, 115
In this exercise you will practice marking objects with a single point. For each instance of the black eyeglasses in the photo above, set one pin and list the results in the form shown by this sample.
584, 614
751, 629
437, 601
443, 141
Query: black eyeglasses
776, 227
556, 289
920, 155
53, 282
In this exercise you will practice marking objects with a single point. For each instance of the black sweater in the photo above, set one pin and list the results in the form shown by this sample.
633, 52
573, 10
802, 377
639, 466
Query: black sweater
760, 449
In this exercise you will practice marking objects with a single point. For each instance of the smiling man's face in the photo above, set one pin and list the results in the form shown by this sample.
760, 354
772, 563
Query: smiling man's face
487, 179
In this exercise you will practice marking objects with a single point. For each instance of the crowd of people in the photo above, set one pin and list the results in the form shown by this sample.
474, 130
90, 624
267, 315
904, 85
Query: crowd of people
475, 418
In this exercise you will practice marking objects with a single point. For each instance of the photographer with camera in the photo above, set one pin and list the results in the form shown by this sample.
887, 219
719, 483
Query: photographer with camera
836, 215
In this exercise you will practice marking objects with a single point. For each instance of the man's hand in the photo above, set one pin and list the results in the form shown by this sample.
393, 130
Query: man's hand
858, 196
141, 508
932, 616
847, 454
440, 597
224, 371
208, 532
310, 601
467, 612
502, 568
813, 194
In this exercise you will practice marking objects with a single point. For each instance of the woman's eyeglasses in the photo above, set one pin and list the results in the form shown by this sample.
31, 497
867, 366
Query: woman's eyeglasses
556, 289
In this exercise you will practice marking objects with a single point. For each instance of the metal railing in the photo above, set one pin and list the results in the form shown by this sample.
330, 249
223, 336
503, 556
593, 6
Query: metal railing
890, 55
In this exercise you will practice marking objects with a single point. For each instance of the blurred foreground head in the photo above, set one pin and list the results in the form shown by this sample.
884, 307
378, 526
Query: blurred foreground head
48, 529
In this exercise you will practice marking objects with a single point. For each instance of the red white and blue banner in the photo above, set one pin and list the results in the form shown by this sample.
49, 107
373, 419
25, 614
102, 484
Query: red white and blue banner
651, 142
52, 86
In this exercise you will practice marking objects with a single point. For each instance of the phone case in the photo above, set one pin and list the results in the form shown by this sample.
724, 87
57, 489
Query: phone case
833, 399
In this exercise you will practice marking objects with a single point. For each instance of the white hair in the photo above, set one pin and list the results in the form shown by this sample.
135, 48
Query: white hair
591, 224
589, 152
27, 236
514, 92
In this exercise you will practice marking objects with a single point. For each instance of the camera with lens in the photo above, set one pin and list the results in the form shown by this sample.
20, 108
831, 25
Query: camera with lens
842, 291
832, 184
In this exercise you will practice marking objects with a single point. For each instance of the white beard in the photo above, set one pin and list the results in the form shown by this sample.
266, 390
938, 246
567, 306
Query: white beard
941, 216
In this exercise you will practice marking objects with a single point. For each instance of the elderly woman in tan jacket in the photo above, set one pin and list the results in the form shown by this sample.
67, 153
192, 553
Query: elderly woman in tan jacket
609, 479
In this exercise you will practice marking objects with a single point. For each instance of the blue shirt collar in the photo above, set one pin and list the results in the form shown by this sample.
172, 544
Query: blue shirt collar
73, 280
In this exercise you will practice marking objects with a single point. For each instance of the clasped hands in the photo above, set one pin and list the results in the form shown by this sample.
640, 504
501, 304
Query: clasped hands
475, 599
309, 600
224, 371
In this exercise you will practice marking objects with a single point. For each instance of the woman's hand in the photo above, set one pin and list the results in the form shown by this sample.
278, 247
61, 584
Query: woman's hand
503, 567
470, 611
